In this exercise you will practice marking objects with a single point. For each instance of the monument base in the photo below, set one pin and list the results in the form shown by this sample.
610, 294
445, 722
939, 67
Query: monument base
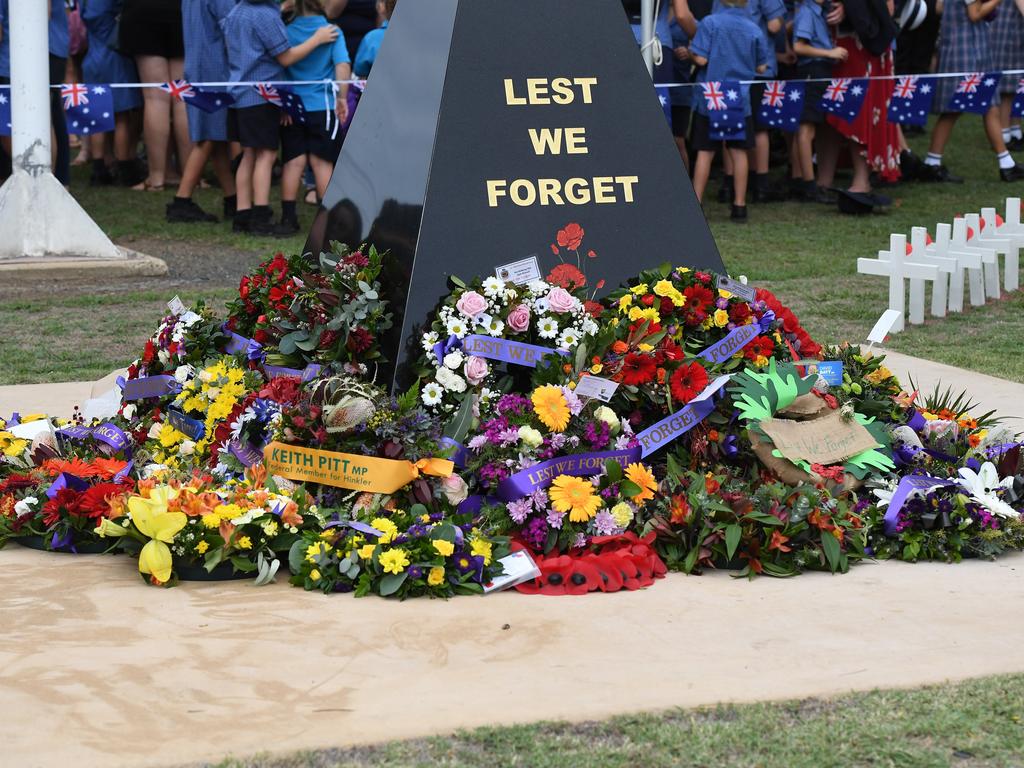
127, 264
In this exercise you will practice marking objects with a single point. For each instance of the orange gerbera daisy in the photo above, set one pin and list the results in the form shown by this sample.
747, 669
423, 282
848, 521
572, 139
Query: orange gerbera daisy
575, 496
107, 468
645, 479
551, 408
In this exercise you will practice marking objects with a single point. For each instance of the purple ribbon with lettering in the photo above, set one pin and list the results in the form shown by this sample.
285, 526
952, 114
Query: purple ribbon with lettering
75, 433
191, 428
151, 386
460, 455
907, 485
526, 481
674, 426
112, 435
246, 453
736, 340
309, 373
507, 351
66, 480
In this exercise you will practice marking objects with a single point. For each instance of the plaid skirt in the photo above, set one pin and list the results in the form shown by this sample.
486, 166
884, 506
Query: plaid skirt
1008, 44
963, 47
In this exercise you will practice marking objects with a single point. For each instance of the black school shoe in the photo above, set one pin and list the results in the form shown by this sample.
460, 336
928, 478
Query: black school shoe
242, 223
938, 174
1012, 174
287, 227
187, 212
738, 214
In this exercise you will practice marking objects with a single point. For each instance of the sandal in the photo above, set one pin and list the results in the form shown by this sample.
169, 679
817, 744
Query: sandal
145, 186
311, 198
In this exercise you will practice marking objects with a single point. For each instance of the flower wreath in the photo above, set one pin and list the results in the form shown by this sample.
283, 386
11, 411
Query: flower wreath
544, 316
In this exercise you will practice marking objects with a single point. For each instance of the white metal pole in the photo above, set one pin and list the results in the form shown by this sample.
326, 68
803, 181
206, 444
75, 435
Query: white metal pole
647, 33
30, 86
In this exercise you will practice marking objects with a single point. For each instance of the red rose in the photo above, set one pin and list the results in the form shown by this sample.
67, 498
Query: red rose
571, 237
740, 313
687, 382
260, 336
704, 277
667, 307
243, 288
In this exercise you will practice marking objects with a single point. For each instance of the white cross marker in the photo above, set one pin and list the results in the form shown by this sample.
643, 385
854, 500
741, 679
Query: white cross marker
940, 288
996, 245
898, 268
963, 259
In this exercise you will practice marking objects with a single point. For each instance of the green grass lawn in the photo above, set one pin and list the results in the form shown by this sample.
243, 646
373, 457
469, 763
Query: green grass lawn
807, 254
971, 724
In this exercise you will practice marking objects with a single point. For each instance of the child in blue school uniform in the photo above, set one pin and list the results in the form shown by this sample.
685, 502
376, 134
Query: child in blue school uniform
317, 141
206, 61
368, 48
815, 56
258, 52
727, 46
103, 64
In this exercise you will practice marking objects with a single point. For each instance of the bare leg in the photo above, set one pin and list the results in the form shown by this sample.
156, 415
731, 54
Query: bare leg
262, 176
681, 146
740, 172
291, 178
244, 179
701, 171
805, 154
942, 131
193, 169
761, 151
322, 171
180, 118
994, 129
861, 172
123, 147
221, 160
156, 117
828, 143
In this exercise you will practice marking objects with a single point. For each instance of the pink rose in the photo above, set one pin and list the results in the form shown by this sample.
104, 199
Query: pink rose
560, 300
519, 318
471, 304
476, 370
454, 489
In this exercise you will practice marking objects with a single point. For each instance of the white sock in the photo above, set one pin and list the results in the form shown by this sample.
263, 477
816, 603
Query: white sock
932, 159
1007, 134
1005, 161
1015, 132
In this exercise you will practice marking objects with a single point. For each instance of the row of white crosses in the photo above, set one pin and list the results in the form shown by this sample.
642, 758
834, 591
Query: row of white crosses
969, 247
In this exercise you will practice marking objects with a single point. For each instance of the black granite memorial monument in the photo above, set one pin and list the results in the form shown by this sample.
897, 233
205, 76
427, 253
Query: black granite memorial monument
487, 128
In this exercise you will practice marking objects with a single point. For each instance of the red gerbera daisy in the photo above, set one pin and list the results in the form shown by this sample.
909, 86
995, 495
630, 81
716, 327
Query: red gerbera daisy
637, 370
687, 382
698, 298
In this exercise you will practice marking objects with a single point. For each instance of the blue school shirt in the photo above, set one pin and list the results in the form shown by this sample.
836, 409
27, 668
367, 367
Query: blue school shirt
206, 55
367, 53
682, 71
319, 65
761, 12
734, 48
810, 26
255, 36
102, 64
57, 33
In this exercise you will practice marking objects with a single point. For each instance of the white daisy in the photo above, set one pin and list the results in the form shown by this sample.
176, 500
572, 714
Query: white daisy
495, 327
547, 327
456, 327
589, 327
431, 394
569, 339
429, 340
493, 286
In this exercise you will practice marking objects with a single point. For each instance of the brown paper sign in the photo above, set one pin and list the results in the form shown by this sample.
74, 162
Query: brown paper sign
829, 440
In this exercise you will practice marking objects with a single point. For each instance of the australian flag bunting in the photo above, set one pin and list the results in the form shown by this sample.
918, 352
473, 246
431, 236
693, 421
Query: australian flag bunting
1017, 109
665, 99
5, 111
844, 98
285, 98
974, 93
207, 101
911, 101
726, 110
89, 108
782, 105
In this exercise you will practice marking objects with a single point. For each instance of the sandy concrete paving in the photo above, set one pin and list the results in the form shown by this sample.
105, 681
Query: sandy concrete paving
100, 670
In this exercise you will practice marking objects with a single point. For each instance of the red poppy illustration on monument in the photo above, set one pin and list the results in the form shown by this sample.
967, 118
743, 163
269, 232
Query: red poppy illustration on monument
465, 157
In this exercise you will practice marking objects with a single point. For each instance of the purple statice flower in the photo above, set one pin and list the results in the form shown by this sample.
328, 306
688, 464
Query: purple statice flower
494, 428
512, 405
580, 541
573, 401
535, 532
558, 441
477, 442
540, 499
519, 510
604, 523
597, 434
555, 518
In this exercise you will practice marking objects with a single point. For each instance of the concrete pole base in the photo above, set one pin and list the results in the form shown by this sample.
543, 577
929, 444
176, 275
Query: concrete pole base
127, 264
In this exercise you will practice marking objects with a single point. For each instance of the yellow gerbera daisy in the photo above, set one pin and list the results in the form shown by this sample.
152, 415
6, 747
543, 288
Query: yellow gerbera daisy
550, 406
644, 478
575, 496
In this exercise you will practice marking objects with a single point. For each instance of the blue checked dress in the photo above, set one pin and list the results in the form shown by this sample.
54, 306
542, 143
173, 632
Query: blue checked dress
206, 61
1008, 44
102, 64
963, 47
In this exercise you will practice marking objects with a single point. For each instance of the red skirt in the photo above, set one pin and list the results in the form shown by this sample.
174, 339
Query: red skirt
877, 137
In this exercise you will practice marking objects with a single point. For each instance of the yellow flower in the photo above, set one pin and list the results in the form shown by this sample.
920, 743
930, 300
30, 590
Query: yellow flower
645, 347
644, 478
596, 368
663, 288
639, 289
270, 528
623, 514
625, 303
313, 551
108, 527
169, 436
575, 496
14, 447
649, 313
761, 361
366, 551
153, 520
436, 576
481, 548
878, 375
387, 528
724, 294
550, 406
245, 543
424, 518
394, 561
721, 318
201, 547
444, 548
314, 575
